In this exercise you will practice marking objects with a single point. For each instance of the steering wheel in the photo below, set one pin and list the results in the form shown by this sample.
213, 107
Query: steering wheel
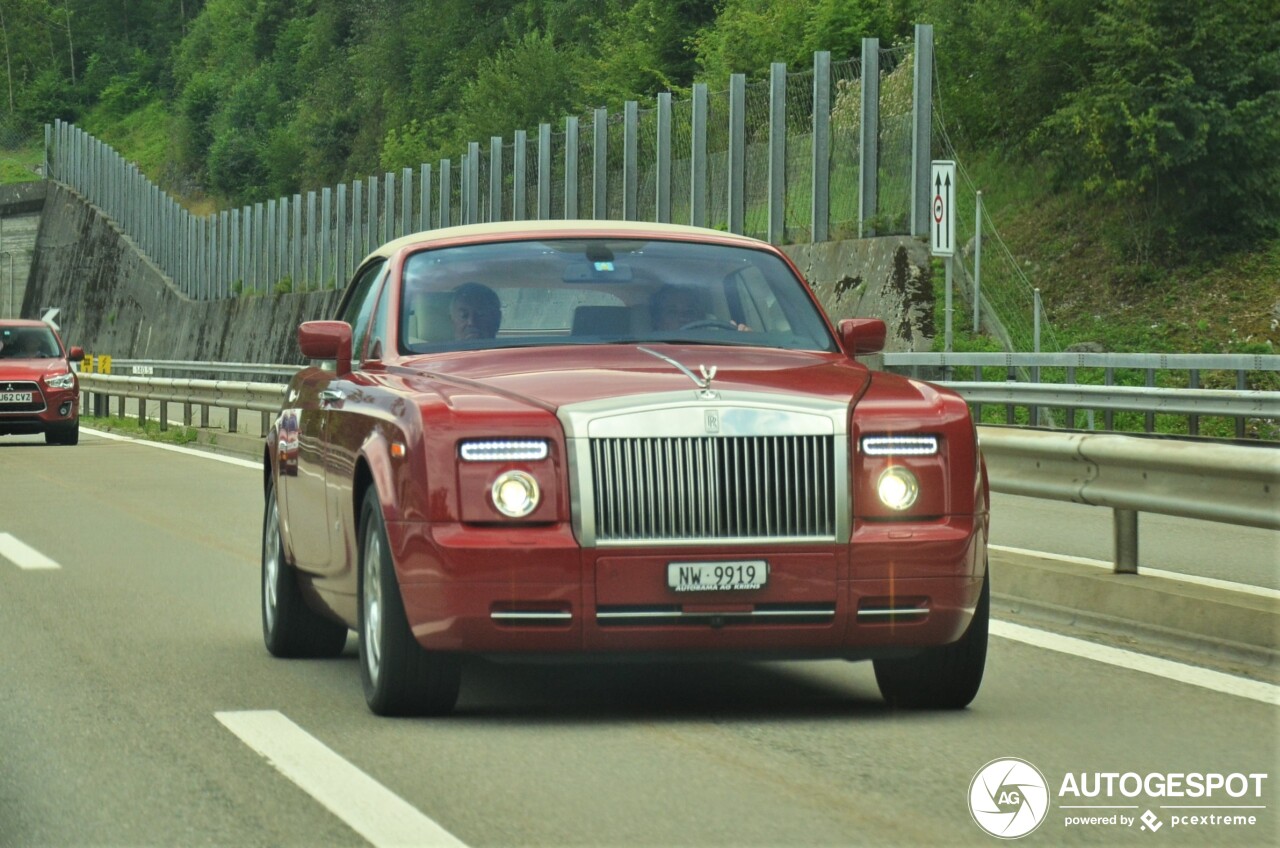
710, 324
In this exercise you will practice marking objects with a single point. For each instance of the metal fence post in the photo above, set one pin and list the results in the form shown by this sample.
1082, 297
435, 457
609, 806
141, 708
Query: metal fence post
519, 180
424, 197
600, 165
977, 266
1126, 541
571, 167
869, 139
406, 203
544, 171
662, 166
698, 158
777, 152
495, 178
820, 180
630, 159
737, 152
446, 192
922, 134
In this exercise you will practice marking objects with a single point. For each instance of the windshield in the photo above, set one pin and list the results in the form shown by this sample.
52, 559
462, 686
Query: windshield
28, 343
604, 291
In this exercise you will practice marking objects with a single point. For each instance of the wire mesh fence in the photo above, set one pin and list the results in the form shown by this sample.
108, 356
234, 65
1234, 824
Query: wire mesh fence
739, 159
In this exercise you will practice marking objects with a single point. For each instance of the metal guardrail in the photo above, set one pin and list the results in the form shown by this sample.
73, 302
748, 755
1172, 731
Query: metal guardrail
1225, 402
225, 394
148, 367
1233, 484
1026, 388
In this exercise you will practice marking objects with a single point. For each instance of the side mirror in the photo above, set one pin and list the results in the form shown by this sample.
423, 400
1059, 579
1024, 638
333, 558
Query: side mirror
327, 340
859, 336
75, 354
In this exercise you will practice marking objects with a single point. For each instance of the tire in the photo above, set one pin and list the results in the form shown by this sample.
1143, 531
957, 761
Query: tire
945, 678
290, 628
399, 677
63, 434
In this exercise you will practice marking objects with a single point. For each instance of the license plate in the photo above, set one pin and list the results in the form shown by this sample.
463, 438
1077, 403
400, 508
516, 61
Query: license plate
15, 397
717, 576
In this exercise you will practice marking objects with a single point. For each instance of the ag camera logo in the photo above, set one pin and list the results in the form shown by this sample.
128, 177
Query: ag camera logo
1008, 798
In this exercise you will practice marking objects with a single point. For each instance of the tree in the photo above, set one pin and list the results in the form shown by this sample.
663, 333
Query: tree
1179, 117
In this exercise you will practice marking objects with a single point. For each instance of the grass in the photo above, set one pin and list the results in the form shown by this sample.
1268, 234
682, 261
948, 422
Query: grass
175, 435
19, 165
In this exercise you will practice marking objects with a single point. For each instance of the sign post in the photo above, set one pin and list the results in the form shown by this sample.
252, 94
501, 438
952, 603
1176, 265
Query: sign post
943, 230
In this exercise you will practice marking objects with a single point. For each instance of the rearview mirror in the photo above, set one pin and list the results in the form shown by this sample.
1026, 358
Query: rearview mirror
860, 336
327, 340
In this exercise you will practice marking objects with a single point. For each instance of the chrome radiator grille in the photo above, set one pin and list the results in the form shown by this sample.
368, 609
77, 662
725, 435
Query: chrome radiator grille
702, 488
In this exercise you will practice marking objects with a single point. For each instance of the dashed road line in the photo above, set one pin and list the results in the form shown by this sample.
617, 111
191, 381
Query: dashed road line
23, 555
368, 807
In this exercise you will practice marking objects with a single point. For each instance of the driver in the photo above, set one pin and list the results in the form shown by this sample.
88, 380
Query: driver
675, 307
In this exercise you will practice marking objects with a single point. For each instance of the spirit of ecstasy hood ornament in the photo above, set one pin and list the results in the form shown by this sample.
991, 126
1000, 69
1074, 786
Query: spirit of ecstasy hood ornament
705, 392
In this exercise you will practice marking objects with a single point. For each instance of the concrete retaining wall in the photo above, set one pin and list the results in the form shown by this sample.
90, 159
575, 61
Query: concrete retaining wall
113, 300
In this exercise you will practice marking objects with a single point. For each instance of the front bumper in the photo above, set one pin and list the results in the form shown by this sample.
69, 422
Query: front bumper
533, 590
48, 408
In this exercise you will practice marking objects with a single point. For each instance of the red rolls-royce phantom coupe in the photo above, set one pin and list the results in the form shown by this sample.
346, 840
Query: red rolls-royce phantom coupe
622, 440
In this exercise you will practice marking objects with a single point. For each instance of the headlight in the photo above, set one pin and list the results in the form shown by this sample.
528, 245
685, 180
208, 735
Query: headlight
897, 488
515, 494
62, 381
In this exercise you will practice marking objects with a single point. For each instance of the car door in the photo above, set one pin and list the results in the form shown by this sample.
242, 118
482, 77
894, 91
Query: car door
358, 406
315, 395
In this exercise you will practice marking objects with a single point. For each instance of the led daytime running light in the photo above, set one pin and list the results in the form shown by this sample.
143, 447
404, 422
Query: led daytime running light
899, 445
504, 450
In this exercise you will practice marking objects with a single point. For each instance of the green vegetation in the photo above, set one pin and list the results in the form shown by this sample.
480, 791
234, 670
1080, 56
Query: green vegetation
151, 431
1125, 147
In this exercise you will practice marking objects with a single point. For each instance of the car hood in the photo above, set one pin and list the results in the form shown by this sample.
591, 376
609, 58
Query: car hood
553, 377
29, 369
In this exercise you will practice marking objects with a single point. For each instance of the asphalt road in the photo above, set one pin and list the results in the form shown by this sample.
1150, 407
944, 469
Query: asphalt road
138, 707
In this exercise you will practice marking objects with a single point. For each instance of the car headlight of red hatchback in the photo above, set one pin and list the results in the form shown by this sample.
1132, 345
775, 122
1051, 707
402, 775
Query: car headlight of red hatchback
60, 381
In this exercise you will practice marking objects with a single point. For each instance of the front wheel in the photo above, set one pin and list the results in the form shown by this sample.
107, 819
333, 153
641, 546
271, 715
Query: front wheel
399, 677
63, 434
945, 678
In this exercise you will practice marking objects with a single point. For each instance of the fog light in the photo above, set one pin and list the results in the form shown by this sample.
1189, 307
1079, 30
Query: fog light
897, 488
515, 494
65, 409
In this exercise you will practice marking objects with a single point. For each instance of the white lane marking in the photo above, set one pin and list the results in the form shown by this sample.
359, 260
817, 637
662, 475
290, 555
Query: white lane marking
24, 556
368, 807
232, 460
1229, 684
1262, 591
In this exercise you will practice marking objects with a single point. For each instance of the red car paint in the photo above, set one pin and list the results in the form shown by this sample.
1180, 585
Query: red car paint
389, 413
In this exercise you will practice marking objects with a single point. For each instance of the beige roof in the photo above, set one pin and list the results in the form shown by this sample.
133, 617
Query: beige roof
577, 228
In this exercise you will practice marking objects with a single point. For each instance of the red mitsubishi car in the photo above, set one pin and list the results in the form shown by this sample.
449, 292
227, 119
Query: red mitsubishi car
39, 393
606, 439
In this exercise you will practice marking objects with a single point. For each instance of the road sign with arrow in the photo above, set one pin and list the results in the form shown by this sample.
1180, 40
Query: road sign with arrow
943, 229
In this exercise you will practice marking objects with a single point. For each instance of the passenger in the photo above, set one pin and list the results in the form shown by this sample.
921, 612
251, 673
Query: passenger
475, 312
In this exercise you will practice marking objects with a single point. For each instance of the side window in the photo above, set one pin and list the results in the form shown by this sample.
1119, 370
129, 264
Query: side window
359, 306
381, 318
